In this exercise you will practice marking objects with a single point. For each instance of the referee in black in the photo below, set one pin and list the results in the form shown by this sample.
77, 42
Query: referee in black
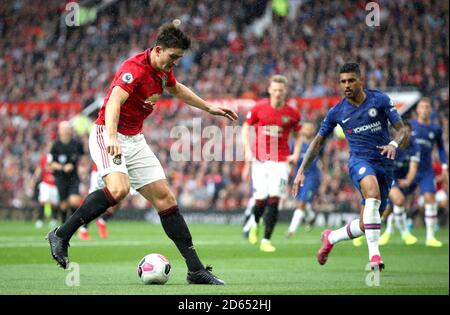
66, 152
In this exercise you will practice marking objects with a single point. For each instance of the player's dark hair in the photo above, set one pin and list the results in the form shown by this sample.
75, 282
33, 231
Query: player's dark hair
170, 36
425, 99
350, 67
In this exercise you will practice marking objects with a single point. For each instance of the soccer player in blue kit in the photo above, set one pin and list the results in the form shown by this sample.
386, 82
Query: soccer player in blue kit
427, 135
363, 115
311, 184
405, 171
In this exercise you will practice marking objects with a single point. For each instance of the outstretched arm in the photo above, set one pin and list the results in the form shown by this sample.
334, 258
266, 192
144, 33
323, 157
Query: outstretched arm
313, 150
189, 97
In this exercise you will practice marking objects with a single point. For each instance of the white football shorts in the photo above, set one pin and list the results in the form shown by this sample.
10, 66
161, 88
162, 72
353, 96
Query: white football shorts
137, 159
269, 179
48, 193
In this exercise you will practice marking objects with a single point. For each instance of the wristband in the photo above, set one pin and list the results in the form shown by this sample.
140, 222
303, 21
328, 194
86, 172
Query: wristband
394, 144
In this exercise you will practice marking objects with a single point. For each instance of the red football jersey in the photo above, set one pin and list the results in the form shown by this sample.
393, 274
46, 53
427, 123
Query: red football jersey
144, 84
47, 175
272, 129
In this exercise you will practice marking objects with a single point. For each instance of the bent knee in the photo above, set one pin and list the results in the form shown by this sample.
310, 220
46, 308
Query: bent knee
429, 198
372, 193
165, 201
119, 192
74, 201
399, 201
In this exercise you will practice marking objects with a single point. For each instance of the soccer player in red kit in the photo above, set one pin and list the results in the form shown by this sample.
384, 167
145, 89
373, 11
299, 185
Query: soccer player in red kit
123, 157
273, 120
48, 193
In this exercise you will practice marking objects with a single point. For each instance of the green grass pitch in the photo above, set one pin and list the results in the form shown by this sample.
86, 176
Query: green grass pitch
109, 266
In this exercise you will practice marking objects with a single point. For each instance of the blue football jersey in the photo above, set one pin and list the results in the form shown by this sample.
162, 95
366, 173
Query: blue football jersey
426, 136
365, 126
404, 157
313, 169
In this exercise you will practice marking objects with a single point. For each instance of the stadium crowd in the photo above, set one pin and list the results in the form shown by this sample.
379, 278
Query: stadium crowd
41, 61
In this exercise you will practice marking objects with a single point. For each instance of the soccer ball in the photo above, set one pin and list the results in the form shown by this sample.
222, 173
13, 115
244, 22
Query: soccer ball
154, 269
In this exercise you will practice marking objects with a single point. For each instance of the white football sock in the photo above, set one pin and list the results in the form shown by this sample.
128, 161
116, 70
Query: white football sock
400, 219
390, 224
250, 222
309, 212
101, 221
372, 225
296, 220
347, 232
250, 205
430, 219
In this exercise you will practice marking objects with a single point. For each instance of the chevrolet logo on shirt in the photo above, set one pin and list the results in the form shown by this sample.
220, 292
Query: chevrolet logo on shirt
152, 99
272, 130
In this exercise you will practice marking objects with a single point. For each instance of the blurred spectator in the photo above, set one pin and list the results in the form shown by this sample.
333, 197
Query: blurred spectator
39, 60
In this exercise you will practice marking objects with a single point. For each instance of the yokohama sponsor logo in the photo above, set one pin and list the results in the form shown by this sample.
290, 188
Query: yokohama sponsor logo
373, 127
424, 142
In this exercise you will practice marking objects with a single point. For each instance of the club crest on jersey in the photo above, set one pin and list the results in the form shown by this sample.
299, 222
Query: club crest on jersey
117, 159
127, 78
164, 81
373, 112
285, 119
431, 135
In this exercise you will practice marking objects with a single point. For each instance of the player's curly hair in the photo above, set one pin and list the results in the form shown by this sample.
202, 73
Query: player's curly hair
170, 36
350, 67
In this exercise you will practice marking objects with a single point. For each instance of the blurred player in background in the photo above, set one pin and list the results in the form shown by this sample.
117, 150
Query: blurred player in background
405, 170
364, 115
310, 186
123, 157
274, 120
47, 191
65, 155
441, 186
441, 190
249, 217
427, 136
